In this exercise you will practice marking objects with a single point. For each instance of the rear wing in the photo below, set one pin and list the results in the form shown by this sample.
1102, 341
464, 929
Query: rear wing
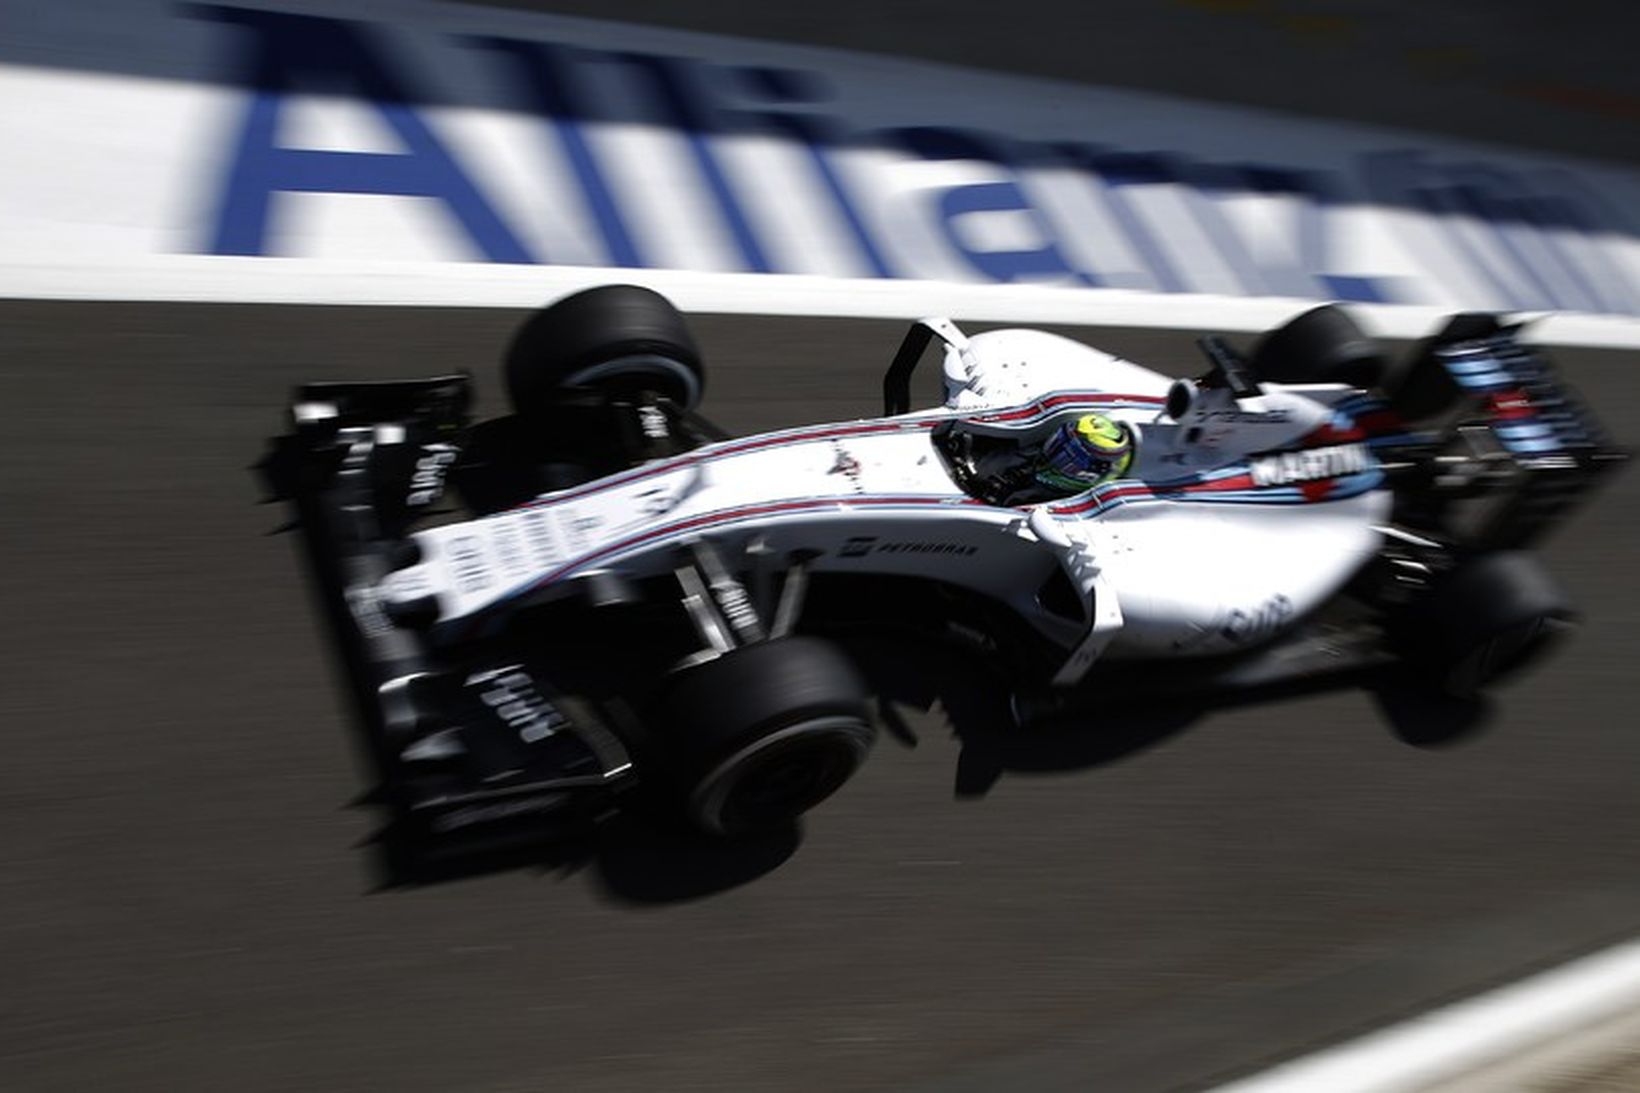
1517, 447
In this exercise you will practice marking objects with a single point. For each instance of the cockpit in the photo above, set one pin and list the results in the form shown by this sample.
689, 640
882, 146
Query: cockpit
1065, 454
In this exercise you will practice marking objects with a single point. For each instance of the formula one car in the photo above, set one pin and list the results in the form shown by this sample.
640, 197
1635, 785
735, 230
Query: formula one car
623, 605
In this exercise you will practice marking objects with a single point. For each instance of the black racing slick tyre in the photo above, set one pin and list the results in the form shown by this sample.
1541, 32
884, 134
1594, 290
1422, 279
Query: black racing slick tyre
622, 339
1323, 345
761, 734
1490, 617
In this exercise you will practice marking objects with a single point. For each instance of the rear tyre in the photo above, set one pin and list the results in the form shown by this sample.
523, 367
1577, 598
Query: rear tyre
617, 339
1323, 345
761, 734
1490, 617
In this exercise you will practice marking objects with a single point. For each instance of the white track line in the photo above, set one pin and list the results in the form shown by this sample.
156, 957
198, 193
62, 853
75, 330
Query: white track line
1456, 1039
212, 279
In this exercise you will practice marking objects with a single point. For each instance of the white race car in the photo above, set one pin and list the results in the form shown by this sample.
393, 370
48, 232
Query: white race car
628, 598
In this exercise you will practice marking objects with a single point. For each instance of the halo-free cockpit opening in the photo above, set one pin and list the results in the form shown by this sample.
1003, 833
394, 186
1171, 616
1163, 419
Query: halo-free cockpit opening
1065, 455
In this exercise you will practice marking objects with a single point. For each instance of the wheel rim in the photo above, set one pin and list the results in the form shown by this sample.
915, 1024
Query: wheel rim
782, 775
676, 376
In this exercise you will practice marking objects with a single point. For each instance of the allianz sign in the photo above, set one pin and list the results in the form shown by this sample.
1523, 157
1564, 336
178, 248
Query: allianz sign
646, 160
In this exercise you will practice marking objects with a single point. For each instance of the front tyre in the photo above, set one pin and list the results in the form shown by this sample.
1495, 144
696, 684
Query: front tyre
618, 339
761, 734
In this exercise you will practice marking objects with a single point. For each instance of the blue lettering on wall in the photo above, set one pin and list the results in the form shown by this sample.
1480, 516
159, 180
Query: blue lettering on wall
1520, 238
1498, 199
1203, 184
543, 71
683, 108
1113, 172
1573, 217
286, 51
816, 134
1043, 262
1531, 247
1314, 194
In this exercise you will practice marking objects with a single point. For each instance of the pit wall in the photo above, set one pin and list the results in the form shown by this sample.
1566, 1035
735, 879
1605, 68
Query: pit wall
430, 153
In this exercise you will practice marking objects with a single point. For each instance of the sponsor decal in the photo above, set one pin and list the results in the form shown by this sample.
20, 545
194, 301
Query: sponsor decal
1249, 417
653, 423
846, 465
654, 500
467, 564
458, 134
857, 547
1309, 465
427, 480
1242, 626
509, 547
512, 695
580, 528
1511, 404
845, 176
538, 530
861, 545
736, 606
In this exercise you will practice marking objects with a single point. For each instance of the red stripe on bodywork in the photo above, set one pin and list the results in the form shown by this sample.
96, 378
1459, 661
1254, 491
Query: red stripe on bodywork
1383, 422
1331, 434
1043, 405
774, 508
639, 474
822, 432
1117, 493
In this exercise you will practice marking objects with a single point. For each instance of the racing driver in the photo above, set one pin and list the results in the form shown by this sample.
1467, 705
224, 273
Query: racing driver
1080, 454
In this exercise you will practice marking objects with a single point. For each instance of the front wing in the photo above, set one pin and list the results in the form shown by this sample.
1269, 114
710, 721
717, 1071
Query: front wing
467, 741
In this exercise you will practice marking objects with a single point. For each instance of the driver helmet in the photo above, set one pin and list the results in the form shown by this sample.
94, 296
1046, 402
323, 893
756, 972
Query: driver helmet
1085, 453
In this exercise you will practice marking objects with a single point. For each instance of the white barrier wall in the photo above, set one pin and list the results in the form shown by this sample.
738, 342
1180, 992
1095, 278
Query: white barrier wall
424, 152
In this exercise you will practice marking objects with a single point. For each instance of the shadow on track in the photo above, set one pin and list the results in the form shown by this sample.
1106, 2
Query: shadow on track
642, 856
634, 858
1001, 733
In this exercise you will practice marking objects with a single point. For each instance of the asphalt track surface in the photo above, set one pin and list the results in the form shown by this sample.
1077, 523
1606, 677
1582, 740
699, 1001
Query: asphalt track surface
185, 902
